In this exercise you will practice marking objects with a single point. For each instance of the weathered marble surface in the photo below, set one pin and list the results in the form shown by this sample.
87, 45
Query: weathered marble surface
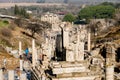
1, 74
77, 78
11, 75
62, 70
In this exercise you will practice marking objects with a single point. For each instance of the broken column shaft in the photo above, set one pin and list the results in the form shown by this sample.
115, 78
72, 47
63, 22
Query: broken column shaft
1, 74
11, 75
34, 53
110, 61
20, 48
21, 65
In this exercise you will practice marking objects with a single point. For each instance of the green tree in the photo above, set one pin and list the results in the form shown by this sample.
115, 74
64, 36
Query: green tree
21, 12
16, 10
69, 18
24, 13
116, 5
99, 11
107, 3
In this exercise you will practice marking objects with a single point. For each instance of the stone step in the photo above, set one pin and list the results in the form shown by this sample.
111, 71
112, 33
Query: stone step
69, 64
78, 78
69, 70
74, 74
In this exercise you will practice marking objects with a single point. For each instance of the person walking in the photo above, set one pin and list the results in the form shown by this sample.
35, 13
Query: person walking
26, 51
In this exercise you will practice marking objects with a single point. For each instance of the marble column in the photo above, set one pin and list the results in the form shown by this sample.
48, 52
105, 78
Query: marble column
66, 38
110, 73
21, 65
80, 46
49, 50
20, 48
81, 51
110, 61
1, 74
34, 53
11, 75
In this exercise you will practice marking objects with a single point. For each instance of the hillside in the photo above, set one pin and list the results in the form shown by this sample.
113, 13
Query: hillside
111, 36
10, 35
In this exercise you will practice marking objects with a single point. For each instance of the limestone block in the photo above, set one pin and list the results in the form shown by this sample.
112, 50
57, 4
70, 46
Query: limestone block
55, 63
14, 52
77, 78
70, 56
8, 49
95, 52
79, 56
72, 64
69, 70
65, 75
23, 76
57, 66
26, 64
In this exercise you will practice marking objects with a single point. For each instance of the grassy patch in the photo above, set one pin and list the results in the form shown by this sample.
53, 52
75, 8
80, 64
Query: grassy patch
4, 23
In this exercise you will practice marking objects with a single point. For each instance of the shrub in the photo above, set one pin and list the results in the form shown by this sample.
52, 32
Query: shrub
98, 11
69, 18
6, 22
5, 41
6, 32
11, 26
